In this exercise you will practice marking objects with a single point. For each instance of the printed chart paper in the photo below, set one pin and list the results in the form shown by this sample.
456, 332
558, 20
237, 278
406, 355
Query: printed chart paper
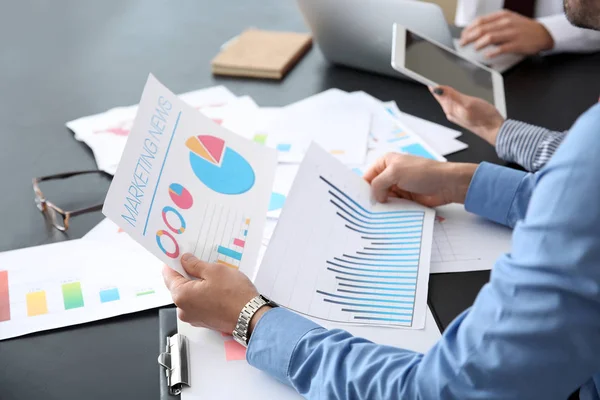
186, 184
466, 242
216, 358
106, 133
74, 282
338, 256
333, 119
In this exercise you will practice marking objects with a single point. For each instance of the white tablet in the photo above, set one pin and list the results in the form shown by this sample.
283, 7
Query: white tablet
433, 64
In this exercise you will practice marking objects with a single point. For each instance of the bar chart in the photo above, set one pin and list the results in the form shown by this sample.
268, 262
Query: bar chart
66, 290
340, 256
389, 260
223, 239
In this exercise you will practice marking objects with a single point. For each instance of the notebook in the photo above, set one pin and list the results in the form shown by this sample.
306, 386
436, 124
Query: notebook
262, 54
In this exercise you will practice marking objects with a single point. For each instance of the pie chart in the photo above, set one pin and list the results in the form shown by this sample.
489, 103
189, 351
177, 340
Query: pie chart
181, 197
219, 167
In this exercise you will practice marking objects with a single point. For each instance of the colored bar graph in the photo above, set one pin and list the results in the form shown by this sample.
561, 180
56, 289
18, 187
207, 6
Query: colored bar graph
108, 295
36, 303
239, 242
72, 295
260, 138
229, 253
284, 147
227, 264
4, 297
145, 293
417, 149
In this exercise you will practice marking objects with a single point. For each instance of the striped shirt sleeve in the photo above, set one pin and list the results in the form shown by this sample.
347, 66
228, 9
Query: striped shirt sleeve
527, 145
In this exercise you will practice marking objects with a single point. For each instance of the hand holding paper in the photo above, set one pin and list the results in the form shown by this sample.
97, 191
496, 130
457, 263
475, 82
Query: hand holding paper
213, 301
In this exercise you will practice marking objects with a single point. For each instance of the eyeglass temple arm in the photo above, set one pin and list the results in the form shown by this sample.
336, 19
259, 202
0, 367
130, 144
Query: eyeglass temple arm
86, 210
70, 174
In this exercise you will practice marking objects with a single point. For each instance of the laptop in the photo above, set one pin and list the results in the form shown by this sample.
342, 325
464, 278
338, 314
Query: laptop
358, 33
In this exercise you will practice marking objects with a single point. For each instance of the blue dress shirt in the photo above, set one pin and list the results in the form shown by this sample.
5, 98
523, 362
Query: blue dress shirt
534, 329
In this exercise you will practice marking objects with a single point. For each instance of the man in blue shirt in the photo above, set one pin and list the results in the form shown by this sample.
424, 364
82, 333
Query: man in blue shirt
534, 329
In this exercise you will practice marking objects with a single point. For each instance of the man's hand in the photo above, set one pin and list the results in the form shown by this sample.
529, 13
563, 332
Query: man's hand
472, 113
431, 183
215, 299
510, 32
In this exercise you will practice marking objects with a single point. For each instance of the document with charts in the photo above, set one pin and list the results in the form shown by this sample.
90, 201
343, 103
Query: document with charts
186, 184
339, 256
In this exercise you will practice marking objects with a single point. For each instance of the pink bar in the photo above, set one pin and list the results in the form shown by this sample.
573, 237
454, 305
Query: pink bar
238, 242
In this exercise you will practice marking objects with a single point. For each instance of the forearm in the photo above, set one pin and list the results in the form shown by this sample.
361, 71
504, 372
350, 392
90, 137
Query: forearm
527, 145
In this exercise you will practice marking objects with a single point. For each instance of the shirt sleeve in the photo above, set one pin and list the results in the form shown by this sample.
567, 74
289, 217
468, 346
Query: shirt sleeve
531, 333
500, 194
527, 145
569, 38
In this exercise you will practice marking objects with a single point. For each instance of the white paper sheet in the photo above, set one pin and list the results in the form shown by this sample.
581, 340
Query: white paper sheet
284, 177
332, 237
466, 242
333, 119
441, 139
216, 359
106, 133
74, 282
186, 184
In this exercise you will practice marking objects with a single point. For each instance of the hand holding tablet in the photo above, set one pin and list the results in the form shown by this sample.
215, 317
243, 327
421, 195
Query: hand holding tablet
433, 64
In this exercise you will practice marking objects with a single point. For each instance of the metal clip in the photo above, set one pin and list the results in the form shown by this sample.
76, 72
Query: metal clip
175, 361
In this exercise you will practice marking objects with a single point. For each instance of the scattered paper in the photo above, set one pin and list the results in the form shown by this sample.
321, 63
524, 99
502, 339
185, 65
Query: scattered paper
332, 241
333, 119
74, 282
466, 242
186, 184
284, 177
106, 133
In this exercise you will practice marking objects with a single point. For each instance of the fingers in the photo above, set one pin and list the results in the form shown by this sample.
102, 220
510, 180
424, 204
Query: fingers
480, 26
375, 169
382, 183
496, 37
449, 99
172, 278
510, 47
194, 266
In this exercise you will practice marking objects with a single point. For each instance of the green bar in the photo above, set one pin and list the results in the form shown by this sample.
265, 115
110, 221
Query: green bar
72, 295
260, 139
151, 291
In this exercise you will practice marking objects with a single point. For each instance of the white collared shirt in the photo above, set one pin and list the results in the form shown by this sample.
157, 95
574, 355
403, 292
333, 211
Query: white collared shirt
550, 13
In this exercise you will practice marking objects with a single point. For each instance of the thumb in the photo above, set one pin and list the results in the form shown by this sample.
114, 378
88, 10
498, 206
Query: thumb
382, 183
194, 266
448, 98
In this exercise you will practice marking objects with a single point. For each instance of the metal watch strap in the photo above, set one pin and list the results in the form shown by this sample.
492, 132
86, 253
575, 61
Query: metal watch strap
240, 333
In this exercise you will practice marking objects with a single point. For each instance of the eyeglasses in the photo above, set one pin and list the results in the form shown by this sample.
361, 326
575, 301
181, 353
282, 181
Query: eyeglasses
57, 216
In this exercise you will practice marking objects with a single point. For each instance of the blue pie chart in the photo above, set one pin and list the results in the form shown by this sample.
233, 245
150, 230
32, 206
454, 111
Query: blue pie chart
219, 167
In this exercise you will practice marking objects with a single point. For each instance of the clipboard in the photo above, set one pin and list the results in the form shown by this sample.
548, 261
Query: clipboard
173, 359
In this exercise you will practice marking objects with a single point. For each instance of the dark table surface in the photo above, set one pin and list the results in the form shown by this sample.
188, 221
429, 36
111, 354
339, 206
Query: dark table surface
67, 59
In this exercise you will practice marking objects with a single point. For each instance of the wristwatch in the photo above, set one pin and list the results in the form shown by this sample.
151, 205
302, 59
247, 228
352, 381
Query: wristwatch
240, 333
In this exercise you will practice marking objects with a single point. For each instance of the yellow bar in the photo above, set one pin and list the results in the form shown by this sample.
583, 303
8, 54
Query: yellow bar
36, 303
337, 152
227, 264
247, 221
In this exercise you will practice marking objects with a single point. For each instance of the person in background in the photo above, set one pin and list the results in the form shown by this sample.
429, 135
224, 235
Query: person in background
532, 332
519, 142
525, 27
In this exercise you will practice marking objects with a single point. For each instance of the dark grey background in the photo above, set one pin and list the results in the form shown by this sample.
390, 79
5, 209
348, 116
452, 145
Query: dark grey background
61, 60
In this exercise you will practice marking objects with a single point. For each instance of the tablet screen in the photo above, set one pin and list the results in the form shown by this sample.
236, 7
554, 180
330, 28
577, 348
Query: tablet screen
446, 68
